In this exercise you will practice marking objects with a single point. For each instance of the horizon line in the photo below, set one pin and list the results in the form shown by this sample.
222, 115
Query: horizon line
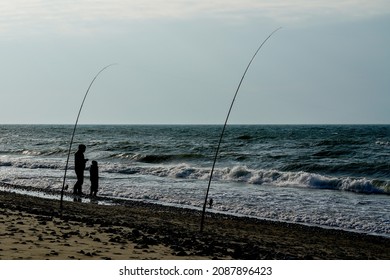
190, 124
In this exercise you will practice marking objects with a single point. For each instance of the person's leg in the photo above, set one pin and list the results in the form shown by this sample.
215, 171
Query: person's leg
79, 183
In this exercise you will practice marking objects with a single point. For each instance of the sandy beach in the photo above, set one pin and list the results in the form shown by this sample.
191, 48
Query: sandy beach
32, 228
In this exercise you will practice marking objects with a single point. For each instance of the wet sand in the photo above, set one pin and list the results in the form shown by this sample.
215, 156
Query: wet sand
33, 228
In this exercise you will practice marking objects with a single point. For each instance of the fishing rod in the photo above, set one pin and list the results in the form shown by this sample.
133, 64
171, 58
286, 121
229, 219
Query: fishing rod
224, 128
74, 131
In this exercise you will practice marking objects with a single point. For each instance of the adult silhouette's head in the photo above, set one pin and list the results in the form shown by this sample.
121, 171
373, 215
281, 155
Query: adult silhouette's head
82, 148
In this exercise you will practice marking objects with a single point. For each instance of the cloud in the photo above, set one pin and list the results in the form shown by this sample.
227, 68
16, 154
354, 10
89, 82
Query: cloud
76, 15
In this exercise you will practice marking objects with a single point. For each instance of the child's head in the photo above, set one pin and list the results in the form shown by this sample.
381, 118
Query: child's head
94, 162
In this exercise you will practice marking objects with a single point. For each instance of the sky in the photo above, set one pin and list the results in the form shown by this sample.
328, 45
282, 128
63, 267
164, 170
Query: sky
180, 61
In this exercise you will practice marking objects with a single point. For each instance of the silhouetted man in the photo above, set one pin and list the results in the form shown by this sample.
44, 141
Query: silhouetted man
79, 166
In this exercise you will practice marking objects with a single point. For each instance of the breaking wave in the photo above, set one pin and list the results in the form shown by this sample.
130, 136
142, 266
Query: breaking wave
273, 178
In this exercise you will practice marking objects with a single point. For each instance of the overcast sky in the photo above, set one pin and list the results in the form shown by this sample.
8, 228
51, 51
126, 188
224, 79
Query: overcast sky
180, 61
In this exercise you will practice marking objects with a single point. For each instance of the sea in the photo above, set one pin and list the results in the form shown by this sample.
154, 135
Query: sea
333, 176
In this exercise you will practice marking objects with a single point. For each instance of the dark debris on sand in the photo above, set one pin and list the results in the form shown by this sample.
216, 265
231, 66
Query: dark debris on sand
224, 237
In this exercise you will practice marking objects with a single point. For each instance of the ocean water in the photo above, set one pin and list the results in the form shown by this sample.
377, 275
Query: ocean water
325, 175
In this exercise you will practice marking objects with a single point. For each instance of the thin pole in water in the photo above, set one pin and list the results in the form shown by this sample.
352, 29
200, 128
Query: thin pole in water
74, 131
224, 128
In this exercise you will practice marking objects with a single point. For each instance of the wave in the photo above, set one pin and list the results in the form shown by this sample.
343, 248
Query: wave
272, 178
309, 180
35, 152
382, 143
39, 165
5, 163
333, 153
32, 164
377, 169
156, 158
340, 141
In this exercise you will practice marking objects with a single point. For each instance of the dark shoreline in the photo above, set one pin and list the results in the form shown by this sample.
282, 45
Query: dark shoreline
224, 237
102, 200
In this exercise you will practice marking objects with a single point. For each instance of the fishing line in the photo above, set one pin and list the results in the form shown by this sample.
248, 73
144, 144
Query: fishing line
224, 127
74, 131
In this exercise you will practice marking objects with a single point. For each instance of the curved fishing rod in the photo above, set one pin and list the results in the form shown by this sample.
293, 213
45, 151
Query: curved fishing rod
224, 127
74, 131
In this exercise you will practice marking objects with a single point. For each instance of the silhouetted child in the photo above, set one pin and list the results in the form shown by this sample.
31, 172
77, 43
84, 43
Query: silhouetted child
94, 177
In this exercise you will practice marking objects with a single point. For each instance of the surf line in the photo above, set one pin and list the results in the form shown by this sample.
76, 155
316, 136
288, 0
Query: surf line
224, 128
74, 131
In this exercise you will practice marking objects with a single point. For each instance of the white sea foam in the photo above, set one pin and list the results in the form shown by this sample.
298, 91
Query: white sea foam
259, 177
